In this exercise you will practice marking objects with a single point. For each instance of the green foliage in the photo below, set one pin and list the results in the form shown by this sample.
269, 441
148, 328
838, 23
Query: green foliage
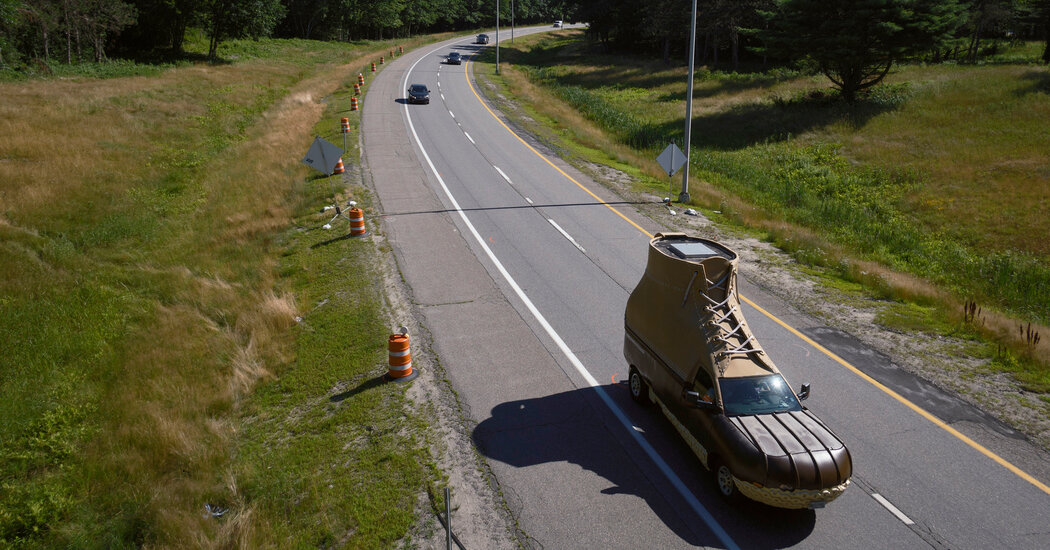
224, 19
59, 354
855, 42
1031, 374
861, 207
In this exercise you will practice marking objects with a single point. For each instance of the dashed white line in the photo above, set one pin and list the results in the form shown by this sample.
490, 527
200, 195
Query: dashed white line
453, 114
893, 509
566, 235
442, 97
503, 174
470, 138
578, 365
528, 200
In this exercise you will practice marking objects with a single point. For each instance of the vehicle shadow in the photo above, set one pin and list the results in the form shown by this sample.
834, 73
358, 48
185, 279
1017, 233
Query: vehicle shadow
574, 427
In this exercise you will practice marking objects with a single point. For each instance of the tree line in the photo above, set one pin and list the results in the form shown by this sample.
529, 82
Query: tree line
726, 29
40, 32
70, 31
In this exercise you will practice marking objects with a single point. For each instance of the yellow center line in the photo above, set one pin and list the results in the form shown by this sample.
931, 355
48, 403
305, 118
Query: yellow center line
466, 73
922, 412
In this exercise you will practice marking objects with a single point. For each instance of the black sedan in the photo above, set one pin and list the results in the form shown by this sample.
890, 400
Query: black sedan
454, 58
418, 93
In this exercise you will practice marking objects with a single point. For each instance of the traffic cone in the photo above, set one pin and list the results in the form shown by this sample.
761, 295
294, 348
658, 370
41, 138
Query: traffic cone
400, 358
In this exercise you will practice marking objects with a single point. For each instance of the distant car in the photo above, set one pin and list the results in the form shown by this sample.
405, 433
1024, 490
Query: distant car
418, 93
482, 39
557, 24
454, 58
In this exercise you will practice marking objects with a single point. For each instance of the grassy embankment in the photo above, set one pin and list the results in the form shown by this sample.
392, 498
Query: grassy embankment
932, 190
158, 240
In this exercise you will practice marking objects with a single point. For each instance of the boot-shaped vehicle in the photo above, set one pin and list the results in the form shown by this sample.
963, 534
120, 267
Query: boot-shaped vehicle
691, 352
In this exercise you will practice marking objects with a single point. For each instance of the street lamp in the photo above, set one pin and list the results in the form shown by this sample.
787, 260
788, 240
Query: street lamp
684, 195
497, 36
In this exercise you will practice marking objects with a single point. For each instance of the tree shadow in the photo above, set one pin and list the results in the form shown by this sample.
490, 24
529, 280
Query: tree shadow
1039, 82
571, 427
765, 121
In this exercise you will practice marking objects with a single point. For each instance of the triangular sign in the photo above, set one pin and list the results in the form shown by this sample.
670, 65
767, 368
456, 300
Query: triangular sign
322, 156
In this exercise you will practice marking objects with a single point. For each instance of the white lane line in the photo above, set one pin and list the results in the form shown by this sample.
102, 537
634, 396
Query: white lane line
503, 174
442, 97
644, 444
528, 200
471, 139
453, 114
893, 509
566, 235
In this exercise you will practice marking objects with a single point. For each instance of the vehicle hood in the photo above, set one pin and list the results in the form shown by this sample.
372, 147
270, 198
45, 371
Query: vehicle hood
800, 451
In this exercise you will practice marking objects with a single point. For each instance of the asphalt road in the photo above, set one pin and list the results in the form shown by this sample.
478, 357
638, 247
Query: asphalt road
521, 274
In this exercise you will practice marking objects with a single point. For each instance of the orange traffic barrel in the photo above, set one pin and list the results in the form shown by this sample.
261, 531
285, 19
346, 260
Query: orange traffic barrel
357, 89
400, 358
361, 79
353, 103
400, 50
345, 122
382, 60
357, 222
373, 66
339, 167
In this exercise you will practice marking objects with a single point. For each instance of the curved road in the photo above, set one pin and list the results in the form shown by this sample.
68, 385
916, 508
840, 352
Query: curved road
521, 267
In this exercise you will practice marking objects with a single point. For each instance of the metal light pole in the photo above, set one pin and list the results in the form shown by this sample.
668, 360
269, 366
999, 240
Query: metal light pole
497, 36
684, 195
511, 21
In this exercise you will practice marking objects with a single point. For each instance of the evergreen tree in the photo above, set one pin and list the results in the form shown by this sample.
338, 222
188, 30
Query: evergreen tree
855, 42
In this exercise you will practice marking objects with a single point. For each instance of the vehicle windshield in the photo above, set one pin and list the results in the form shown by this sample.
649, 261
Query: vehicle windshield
453, 55
419, 88
757, 395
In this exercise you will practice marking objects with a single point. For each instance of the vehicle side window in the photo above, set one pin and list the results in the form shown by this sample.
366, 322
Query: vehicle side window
704, 386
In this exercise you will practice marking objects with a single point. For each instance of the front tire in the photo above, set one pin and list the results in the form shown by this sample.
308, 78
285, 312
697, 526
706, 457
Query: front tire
639, 389
723, 478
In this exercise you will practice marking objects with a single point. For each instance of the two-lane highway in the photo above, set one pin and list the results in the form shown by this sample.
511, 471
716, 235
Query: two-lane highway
521, 267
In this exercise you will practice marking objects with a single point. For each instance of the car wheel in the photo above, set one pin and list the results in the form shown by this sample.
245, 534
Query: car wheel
639, 389
724, 481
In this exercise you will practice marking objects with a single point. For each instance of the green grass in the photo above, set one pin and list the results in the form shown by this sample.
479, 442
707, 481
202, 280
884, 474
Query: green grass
331, 453
150, 263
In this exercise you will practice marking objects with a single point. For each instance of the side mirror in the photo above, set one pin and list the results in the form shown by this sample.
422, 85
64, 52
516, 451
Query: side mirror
803, 392
693, 399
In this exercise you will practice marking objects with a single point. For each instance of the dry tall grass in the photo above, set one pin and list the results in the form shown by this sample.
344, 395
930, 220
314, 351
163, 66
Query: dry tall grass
185, 224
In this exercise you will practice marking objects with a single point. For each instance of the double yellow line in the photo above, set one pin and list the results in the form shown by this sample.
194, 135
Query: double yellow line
922, 412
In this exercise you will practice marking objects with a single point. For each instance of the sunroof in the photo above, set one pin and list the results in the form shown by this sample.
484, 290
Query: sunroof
692, 250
